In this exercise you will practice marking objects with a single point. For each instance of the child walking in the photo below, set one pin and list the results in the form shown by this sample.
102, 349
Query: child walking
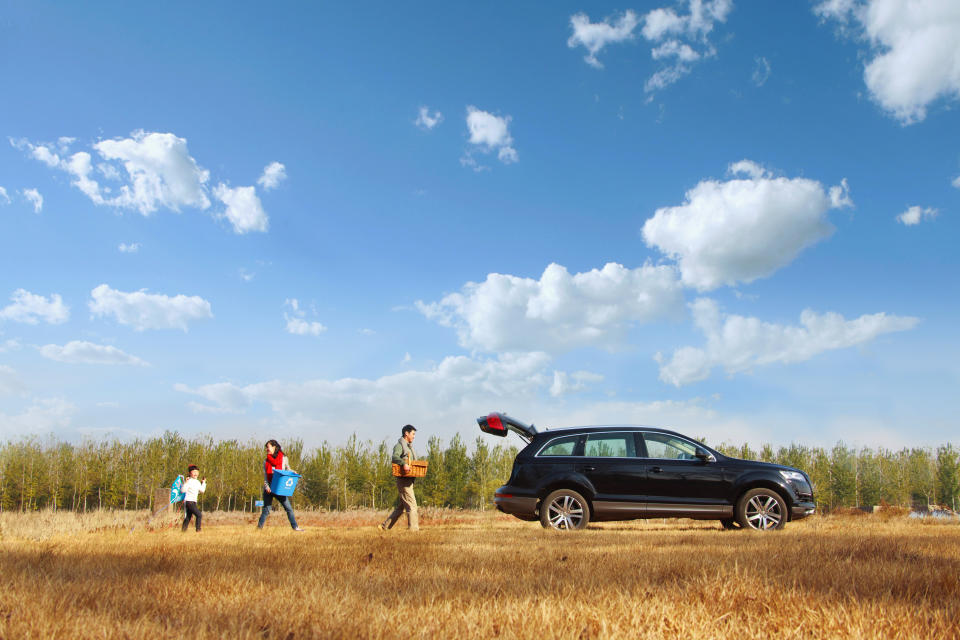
192, 488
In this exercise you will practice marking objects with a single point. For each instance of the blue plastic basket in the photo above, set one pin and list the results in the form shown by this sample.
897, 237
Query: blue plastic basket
282, 483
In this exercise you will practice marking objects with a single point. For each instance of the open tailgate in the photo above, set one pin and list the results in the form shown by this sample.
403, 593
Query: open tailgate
499, 424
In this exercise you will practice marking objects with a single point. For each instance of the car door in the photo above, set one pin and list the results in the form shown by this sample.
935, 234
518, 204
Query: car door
680, 483
617, 473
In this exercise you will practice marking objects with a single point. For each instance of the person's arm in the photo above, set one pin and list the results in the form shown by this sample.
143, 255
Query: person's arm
398, 454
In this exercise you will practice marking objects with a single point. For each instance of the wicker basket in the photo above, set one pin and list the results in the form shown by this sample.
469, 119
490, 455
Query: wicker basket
418, 469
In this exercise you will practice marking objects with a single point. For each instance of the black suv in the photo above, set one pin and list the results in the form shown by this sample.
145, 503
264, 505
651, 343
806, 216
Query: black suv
568, 477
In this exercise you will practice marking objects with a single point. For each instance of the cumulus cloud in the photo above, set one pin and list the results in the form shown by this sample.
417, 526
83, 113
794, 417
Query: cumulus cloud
31, 308
296, 323
559, 311
489, 133
426, 121
456, 386
142, 310
681, 39
739, 343
273, 174
82, 352
155, 170
956, 182
913, 50
244, 210
566, 383
4, 198
133, 247
44, 416
743, 228
914, 215
594, 36
34, 198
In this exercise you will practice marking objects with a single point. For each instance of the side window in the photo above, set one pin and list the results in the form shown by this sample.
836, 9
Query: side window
663, 446
560, 446
610, 445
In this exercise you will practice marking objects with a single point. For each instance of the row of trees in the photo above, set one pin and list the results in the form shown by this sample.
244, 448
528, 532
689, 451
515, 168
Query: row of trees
38, 474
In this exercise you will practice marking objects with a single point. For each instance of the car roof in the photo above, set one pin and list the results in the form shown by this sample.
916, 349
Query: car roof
607, 427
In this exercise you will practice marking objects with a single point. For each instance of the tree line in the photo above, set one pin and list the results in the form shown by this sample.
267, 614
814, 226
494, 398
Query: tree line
111, 474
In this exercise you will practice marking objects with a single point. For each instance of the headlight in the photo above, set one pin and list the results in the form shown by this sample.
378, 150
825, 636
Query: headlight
793, 475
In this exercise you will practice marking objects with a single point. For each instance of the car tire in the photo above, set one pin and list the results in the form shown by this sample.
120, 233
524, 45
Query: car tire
761, 510
564, 510
730, 524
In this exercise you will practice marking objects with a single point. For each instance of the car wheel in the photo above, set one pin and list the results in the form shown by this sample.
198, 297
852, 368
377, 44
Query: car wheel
761, 509
564, 509
730, 524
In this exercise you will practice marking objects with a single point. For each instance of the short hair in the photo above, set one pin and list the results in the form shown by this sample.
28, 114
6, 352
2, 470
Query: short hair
407, 428
192, 467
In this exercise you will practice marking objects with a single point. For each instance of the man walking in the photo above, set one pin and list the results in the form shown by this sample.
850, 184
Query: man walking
402, 455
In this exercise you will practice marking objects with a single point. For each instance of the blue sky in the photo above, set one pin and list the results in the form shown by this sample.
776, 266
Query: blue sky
735, 219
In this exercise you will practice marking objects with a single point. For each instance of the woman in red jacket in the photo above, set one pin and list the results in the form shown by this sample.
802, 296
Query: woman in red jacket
275, 460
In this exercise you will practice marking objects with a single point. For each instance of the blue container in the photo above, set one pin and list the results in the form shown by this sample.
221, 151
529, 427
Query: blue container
282, 483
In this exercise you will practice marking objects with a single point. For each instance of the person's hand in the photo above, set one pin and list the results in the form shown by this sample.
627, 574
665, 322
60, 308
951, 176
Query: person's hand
406, 468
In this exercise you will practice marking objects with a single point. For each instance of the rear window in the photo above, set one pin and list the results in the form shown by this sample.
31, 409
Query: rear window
560, 446
610, 445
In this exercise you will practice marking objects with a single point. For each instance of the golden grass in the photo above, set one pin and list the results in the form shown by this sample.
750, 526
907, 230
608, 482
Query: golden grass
469, 575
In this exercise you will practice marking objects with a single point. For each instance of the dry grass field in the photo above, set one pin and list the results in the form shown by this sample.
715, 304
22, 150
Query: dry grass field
468, 575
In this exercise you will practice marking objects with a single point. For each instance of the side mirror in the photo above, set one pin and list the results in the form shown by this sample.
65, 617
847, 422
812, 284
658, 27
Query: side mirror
705, 457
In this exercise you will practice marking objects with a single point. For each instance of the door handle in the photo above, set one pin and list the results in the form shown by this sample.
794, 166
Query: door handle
656, 470
589, 468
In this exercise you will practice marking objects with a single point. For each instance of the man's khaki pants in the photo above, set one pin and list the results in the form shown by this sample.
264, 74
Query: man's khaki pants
408, 504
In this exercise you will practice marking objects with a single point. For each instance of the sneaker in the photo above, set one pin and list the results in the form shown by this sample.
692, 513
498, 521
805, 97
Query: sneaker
381, 527
297, 529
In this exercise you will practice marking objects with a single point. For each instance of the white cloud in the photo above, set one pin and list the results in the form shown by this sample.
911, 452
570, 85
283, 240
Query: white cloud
761, 73
914, 50
745, 228
273, 174
296, 324
490, 133
566, 383
594, 36
43, 416
739, 343
426, 121
300, 327
157, 171
10, 383
559, 311
160, 171
457, 386
244, 210
30, 308
9, 345
33, 197
914, 215
143, 310
82, 352
956, 182
133, 247
683, 38
4, 198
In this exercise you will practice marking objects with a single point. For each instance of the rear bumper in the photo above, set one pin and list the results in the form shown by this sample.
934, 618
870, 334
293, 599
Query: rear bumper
520, 506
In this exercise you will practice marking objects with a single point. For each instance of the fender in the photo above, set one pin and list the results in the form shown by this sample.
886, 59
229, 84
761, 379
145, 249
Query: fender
565, 480
755, 479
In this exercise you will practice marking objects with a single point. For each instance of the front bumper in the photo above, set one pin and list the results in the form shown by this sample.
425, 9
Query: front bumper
801, 510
